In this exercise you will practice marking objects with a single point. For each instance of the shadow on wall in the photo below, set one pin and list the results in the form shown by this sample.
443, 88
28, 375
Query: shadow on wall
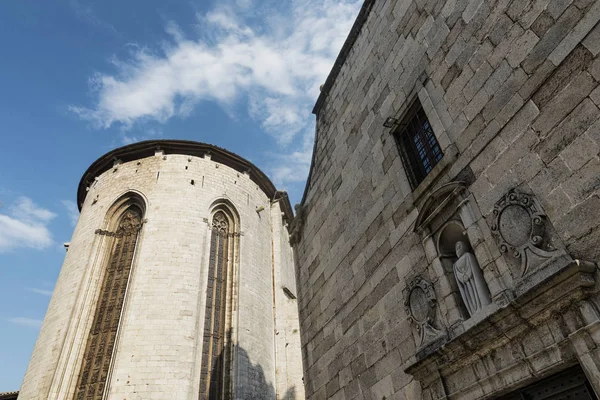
251, 381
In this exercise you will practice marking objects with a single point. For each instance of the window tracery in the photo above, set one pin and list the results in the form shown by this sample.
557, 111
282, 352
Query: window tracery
101, 339
214, 376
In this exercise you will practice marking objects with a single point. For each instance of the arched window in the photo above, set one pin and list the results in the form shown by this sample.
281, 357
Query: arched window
216, 352
102, 335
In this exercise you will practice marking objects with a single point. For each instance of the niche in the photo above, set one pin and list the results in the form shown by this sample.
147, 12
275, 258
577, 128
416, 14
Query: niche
463, 271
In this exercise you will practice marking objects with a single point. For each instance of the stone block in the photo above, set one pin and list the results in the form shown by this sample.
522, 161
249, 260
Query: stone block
504, 94
570, 128
593, 132
521, 48
579, 60
541, 25
579, 152
520, 147
584, 182
557, 7
592, 41
548, 42
550, 177
477, 80
505, 45
579, 221
589, 20
476, 104
564, 102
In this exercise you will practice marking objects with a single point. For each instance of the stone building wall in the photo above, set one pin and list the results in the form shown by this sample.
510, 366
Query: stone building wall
510, 88
158, 348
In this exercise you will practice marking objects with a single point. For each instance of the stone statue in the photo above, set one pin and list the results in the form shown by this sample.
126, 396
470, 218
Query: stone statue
471, 284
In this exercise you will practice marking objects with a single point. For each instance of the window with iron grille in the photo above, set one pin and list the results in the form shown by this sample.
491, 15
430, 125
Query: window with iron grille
419, 148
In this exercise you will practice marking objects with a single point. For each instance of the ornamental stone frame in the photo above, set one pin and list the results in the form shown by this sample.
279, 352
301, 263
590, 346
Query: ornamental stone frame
544, 316
420, 306
527, 239
449, 214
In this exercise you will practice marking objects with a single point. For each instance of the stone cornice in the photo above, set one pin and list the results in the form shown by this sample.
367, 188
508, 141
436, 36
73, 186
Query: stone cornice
148, 148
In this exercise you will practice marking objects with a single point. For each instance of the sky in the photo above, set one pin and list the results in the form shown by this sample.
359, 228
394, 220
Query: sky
79, 78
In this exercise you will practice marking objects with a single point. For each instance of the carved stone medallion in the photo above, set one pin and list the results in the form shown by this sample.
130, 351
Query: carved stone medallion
520, 226
420, 303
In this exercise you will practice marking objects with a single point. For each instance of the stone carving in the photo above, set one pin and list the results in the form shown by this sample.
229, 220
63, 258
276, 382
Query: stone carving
420, 303
520, 225
130, 225
472, 286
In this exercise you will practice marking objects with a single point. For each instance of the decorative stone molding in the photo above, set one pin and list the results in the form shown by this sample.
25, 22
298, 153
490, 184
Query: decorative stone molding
420, 305
520, 226
130, 225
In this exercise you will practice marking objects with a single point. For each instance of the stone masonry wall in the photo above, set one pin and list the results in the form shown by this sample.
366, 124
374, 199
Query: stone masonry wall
158, 349
511, 90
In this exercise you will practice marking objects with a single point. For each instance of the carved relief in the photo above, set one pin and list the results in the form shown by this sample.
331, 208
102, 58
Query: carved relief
520, 226
420, 304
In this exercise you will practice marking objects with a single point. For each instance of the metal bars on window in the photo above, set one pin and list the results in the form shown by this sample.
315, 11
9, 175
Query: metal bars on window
418, 145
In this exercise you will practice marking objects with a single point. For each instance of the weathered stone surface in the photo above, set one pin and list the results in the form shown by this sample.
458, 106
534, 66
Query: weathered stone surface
570, 128
508, 117
160, 336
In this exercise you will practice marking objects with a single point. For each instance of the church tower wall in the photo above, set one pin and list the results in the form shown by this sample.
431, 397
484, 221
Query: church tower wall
159, 344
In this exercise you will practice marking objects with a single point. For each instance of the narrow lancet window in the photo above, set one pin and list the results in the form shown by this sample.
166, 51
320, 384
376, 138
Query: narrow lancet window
213, 379
102, 336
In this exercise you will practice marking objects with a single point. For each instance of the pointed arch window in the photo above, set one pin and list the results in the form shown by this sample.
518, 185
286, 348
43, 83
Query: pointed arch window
214, 379
102, 335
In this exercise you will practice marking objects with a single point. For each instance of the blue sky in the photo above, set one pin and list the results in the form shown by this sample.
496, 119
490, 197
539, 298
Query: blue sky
81, 77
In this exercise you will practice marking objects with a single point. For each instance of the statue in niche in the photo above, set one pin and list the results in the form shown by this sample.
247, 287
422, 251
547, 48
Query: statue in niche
471, 284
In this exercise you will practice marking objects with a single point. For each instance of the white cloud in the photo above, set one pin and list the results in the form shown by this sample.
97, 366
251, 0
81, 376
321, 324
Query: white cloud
72, 211
276, 64
29, 322
43, 292
26, 210
25, 226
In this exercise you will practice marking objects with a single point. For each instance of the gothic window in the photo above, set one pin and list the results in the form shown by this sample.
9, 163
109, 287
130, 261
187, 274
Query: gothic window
102, 335
215, 354
419, 148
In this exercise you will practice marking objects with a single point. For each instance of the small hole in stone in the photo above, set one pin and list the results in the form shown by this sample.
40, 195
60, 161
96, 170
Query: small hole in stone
186, 167
192, 181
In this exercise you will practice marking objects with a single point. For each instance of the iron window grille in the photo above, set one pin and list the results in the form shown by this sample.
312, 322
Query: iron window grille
418, 146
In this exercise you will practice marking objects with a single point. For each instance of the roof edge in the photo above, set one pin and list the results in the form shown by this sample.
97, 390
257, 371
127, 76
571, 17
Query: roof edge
148, 148
343, 54
337, 67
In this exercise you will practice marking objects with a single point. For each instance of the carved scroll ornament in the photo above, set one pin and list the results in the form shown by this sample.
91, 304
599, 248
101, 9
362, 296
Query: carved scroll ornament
420, 303
520, 226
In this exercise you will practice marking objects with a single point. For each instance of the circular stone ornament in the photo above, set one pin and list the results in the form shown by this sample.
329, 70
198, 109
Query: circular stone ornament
519, 225
420, 303
515, 225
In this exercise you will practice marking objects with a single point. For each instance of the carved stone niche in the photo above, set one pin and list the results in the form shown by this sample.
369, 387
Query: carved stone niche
468, 282
526, 237
420, 305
